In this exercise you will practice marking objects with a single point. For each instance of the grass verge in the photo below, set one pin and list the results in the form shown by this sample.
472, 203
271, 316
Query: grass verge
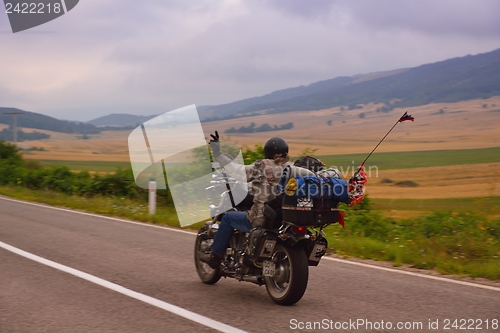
95, 166
109, 206
486, 205
464, 244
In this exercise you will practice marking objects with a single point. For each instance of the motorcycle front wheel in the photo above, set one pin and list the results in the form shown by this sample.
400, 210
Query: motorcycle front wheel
289, 283
207, 274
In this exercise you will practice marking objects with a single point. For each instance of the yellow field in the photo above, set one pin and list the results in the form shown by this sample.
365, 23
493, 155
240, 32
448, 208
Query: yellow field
456, 181
464, 125
106, 146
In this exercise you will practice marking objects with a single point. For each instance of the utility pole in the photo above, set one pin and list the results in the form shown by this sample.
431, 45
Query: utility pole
14, 123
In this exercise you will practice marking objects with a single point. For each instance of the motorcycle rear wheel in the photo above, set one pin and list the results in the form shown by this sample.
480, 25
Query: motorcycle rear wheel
207, 274
289, 283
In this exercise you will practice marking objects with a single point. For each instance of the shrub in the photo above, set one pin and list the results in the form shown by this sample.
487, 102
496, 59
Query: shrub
251, 155
11, 163
406, 183
16, 171
9, 151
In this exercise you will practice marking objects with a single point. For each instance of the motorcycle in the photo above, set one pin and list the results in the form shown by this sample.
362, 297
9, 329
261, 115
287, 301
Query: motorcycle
277, 254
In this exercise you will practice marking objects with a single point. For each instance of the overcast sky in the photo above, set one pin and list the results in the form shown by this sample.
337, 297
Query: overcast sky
151, 56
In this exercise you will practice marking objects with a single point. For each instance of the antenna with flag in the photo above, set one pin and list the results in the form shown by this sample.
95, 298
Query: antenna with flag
357, 182
404, 117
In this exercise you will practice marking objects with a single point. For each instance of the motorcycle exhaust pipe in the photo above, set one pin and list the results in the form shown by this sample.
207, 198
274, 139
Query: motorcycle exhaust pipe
254, 279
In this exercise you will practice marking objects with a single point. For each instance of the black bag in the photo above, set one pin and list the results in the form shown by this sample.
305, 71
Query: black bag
310, 212
275, 204
310, 163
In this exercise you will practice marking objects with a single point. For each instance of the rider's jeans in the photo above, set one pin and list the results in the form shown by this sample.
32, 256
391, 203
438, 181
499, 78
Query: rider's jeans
229, 222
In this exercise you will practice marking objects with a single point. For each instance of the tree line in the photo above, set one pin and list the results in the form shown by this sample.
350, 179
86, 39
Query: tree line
252, 128
7, 134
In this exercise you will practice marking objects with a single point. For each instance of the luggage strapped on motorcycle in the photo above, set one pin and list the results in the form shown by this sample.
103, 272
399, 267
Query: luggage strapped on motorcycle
312, 198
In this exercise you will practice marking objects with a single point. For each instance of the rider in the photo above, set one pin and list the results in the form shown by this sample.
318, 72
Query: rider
264, 176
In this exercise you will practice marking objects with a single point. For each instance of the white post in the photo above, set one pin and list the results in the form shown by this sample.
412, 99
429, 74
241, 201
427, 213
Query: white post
152, 196
14, 124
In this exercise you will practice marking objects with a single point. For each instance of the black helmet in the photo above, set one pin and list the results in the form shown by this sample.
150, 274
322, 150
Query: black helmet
275, 145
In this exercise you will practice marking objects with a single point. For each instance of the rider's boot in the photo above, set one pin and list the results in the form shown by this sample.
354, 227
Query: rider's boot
214, 260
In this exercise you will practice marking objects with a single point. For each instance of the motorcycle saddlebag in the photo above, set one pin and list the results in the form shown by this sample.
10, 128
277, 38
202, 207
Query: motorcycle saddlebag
310, 212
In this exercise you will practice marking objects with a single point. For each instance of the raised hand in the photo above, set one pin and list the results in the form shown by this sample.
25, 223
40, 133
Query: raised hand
215, 138
215, 144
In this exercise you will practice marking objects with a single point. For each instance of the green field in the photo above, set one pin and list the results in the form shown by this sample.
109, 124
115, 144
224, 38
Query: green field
384, 161
96, 166
416, 159
485, 205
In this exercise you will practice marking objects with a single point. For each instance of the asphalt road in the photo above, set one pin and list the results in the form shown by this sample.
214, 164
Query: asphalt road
157, 262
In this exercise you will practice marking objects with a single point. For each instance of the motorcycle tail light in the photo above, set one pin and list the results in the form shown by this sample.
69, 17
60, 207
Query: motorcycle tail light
299, 230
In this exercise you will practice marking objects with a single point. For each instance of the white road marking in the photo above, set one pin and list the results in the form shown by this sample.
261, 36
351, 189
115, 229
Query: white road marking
127, 292
344, 261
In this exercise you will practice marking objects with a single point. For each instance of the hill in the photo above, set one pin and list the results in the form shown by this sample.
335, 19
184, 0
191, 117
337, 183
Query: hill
453, 80
42, 122
126, 121
7, 134
120, 119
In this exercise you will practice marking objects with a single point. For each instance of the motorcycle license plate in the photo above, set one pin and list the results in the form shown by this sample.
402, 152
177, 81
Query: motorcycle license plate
317, 252
268, 268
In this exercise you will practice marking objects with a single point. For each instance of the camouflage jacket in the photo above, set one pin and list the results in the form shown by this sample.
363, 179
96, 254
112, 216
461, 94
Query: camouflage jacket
263, 176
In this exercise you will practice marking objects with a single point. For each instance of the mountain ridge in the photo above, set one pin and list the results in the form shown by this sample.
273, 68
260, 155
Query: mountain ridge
460, 78
43, 122
451, 80
120, 120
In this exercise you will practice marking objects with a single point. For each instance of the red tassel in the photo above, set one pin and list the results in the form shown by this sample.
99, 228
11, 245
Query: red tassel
341, 219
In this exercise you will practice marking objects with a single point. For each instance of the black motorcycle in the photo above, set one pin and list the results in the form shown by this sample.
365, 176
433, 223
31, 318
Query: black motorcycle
277, 254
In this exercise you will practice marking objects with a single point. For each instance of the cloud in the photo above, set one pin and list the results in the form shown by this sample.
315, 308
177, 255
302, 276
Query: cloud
425, 16
308, 9
467, 18
147, 57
